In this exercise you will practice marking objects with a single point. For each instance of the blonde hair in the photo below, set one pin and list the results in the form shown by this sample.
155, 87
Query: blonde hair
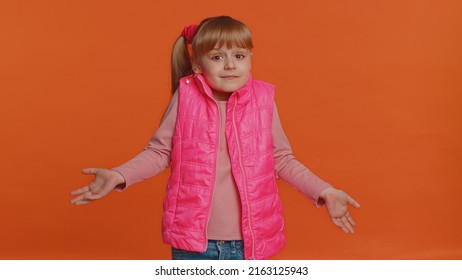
212, 32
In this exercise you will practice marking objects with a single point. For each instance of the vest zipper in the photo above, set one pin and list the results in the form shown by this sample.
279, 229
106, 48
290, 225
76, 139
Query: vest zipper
244, 181
216, 164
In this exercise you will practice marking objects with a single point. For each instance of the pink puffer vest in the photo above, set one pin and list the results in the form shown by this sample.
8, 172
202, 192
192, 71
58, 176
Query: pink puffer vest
187, 204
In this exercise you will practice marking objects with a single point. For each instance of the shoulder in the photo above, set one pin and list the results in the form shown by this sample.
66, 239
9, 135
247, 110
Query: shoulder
262, 88
186, 86
185, 82
262, 84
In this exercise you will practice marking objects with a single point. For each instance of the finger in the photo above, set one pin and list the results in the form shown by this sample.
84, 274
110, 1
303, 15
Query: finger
338, 222
90, 171
350, 219
347, 225
82, 202
92, 187
353, 202
78, 200
80, 191
85, 198
342, 225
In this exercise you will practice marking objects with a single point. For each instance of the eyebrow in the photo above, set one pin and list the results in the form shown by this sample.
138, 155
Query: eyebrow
238, 49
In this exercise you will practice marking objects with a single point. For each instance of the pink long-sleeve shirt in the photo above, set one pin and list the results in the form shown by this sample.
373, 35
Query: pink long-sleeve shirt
225, 217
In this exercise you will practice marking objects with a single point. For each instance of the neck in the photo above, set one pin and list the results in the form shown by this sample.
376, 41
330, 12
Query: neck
221, 96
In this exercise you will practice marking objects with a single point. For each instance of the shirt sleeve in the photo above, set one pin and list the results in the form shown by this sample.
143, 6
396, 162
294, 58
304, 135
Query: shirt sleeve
290, 170
156, 156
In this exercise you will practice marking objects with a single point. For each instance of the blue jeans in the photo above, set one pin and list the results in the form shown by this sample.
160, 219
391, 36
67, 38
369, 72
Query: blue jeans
216, 250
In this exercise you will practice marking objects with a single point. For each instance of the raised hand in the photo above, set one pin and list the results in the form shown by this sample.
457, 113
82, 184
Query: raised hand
337, 206
104, 182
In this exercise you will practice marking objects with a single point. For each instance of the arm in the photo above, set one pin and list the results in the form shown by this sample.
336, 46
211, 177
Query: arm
151, 161
297, 175
156, 156
290, 170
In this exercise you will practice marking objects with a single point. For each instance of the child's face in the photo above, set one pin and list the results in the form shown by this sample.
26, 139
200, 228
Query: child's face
225, 69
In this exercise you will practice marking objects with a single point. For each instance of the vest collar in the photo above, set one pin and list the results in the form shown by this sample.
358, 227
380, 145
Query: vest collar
205, 88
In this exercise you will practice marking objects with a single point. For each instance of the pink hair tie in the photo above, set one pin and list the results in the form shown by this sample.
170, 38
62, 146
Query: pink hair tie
189, 32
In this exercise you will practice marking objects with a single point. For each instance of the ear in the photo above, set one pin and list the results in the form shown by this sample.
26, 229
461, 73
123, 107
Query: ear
196, 68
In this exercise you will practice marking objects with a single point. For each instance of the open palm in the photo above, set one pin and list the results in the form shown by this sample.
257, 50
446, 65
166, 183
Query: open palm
104, 182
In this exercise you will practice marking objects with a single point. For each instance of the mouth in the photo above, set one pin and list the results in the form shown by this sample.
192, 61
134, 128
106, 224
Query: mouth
230, 77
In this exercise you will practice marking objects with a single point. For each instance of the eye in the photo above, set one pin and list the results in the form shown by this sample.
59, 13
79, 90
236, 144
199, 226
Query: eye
240, 56
215, 57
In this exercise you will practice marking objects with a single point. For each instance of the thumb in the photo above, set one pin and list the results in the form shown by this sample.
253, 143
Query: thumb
90, 171
353, 202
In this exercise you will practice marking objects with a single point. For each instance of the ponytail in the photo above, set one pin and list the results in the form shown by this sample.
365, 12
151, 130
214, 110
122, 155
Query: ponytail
181, 62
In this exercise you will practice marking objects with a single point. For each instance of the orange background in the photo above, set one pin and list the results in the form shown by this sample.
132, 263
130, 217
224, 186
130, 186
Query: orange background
369, 94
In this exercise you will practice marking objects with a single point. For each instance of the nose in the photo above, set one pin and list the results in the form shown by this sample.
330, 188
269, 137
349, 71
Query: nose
229, 64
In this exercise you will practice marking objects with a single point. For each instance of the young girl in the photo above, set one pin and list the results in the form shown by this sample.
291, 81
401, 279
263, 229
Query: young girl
222, 137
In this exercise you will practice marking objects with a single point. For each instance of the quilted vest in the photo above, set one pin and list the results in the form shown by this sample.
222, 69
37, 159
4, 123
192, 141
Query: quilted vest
194, 153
